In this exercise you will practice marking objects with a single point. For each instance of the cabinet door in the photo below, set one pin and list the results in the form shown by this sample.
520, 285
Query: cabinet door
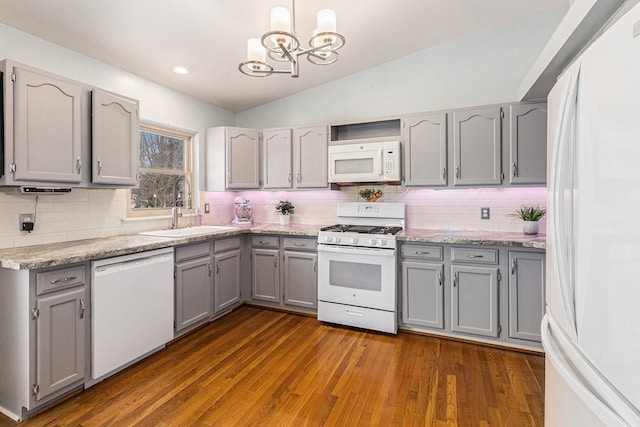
477, 138
474, 300
243, 152
423, 294
526, 295
528, 144
193, 292
227, 280
47, 128
310, 157
425, 150
301, 279
277, 161
60, 337
114, 141
266, 275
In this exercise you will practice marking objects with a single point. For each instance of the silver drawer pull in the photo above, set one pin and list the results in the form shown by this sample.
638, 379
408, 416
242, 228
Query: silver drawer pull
474, 256
300, 245
64, 280
422, 252
263, 242
82, 308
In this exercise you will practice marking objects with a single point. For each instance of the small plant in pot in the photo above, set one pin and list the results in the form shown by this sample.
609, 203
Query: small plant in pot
530, 215
284, 208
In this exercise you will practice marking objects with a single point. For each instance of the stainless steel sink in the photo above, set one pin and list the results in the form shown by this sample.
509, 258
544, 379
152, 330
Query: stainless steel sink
187, 231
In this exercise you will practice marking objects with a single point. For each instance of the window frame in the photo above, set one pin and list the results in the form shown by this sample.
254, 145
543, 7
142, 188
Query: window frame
171, 132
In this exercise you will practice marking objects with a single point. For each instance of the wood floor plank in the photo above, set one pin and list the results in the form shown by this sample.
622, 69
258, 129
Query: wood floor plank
263, 367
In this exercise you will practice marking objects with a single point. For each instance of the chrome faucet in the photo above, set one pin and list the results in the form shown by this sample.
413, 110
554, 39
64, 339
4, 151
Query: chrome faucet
176, 210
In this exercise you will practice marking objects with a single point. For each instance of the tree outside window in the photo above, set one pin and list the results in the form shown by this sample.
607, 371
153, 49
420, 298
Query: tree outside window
165, 160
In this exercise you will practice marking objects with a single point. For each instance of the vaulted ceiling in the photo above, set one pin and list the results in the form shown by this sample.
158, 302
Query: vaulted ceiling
149, 37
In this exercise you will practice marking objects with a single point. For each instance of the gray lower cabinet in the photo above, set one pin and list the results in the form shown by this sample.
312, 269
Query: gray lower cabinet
265, 274
193, 285
526, 294
301, 279
226, 261
474, 300
423, 293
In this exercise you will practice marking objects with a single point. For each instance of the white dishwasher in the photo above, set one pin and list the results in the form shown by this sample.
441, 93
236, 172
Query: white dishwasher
132, 308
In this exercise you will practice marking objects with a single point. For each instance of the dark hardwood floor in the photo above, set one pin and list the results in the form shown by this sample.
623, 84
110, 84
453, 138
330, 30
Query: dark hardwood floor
263, 367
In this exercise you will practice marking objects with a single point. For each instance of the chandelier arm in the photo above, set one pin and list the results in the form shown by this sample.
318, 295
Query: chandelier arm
286, 52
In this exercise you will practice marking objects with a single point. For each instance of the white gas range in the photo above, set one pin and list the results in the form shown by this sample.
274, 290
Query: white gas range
357, 269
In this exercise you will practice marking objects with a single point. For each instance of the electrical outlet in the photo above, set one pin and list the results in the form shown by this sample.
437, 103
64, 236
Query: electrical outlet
485, 213
207, 208
27, 222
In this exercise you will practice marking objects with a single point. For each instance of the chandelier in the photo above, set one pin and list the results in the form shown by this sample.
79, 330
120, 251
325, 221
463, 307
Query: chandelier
281, 44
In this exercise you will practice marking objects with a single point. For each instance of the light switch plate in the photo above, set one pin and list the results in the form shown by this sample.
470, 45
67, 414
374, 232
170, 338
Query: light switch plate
485, 213
207, 208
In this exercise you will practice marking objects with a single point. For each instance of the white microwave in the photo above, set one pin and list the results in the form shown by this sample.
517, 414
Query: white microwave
365, 162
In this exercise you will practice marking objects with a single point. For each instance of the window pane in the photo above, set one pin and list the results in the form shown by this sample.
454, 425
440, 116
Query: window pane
156, 191
161, 151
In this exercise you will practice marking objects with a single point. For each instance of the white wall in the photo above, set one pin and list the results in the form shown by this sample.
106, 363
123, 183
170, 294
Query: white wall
485, 68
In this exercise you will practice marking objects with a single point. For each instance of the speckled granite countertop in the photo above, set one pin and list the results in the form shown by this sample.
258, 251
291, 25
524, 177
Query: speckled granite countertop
53, 254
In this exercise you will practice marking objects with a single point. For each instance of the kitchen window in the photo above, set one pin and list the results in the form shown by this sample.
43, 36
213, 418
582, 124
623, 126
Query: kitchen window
166, 162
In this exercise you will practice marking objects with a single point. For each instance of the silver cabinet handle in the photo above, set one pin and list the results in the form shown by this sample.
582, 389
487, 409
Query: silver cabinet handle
209, 267
82, 308
78, 164
217, 267
229, 177
458, 171
63, 280
300, 245
455, 280
99, 167
474, 256
514, 169
315, 266
440, 277
298, 178
289, 178
514, 266
422, 252
263, 242
275, 261
444, 173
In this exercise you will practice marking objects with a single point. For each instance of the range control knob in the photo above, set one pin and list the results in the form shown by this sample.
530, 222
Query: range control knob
373, 242
337, 240
383, 242
329, 239
354, 240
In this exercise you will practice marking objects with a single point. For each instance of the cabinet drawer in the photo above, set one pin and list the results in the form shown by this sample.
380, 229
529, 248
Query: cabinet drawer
265, 241
422, 252
481, 256
192, 251
226, 244
61, 278
300, 244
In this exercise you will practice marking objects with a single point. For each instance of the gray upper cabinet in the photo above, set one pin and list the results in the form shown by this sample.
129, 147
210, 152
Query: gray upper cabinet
47, 128
114, 139
526, 294
474, 300
61, 339
425, 150
310, 154
477, 146
527, 144
277, 157
232, 159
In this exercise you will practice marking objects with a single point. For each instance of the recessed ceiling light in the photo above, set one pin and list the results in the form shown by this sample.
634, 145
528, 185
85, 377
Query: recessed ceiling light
180, 69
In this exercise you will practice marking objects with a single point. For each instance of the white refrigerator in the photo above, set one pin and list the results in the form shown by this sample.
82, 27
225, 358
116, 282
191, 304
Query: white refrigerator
591, 329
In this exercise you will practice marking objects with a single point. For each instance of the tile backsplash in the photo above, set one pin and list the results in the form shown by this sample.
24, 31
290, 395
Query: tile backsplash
94, 213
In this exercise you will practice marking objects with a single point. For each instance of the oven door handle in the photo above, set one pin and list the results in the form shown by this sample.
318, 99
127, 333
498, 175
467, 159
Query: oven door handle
357, 251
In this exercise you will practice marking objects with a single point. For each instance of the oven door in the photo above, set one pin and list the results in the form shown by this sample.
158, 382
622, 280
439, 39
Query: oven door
363, 277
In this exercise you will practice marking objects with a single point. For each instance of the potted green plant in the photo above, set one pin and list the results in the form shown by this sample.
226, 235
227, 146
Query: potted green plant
530, 215
284, 208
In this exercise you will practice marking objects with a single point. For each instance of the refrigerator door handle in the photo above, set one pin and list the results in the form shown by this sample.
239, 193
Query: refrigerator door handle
562, 181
